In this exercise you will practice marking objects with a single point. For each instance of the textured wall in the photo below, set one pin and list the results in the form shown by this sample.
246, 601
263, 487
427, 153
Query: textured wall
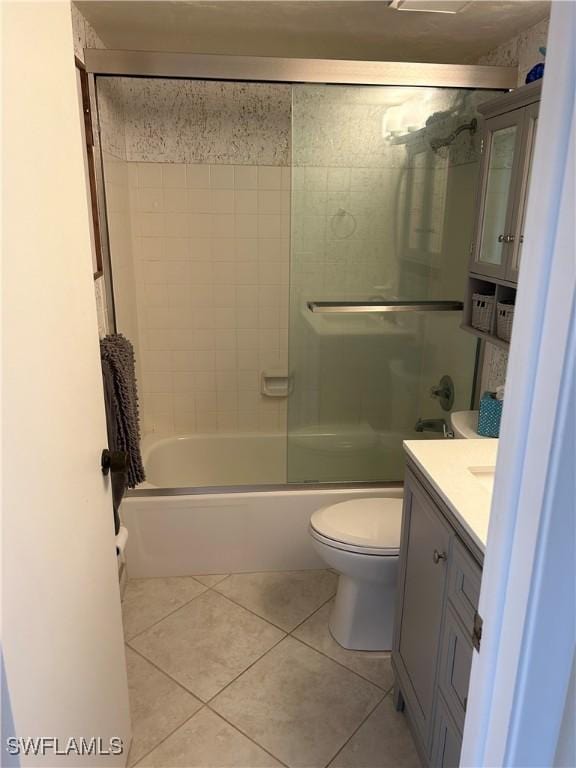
185, 121
521, 51
83, 34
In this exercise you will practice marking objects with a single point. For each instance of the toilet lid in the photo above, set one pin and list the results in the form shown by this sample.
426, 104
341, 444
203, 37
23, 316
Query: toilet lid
370, 523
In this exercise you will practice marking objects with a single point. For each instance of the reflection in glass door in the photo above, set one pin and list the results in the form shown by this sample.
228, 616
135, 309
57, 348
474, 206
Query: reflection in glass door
383, 187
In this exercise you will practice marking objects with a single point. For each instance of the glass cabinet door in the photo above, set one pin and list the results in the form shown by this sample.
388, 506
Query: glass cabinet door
495, 234
529, 141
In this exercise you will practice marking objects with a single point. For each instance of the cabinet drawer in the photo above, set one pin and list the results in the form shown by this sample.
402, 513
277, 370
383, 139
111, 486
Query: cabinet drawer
464, 582
447, 741
455, 666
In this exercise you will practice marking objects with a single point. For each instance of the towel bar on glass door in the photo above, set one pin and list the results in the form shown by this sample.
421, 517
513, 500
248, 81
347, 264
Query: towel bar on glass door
343, 307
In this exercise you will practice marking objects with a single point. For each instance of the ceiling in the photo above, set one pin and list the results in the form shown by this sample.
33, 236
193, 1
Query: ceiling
311, 28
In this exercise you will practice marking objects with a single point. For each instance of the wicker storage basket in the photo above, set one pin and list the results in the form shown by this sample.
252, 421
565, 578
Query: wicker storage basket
504, 319
482, 311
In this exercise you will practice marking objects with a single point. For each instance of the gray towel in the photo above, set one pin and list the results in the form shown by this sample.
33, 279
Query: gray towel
117, 356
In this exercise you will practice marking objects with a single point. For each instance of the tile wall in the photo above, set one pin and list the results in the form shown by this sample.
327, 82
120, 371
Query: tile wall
211, 257
120, 227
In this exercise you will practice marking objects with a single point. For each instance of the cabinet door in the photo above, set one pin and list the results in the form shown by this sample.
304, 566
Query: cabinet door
447, 741
455, 666
425, 548
528, 141
494, 236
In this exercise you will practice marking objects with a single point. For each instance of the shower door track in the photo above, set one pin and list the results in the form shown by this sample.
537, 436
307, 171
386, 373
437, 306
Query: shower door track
280, 70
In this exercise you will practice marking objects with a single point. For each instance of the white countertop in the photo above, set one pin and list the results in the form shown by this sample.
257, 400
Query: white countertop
446, 464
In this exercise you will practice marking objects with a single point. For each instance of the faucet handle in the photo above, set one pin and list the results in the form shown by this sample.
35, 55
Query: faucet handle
444, 392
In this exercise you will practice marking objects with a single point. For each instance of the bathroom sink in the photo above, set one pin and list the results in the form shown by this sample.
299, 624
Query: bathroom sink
485, 476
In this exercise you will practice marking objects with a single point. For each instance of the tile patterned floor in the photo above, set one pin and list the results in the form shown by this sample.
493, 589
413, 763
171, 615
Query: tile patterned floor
241, 671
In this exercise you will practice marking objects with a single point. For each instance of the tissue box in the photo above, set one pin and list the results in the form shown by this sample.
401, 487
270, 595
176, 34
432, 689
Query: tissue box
489, 415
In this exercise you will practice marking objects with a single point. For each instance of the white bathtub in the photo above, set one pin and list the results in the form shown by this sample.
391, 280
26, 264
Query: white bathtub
200, 461
175, 531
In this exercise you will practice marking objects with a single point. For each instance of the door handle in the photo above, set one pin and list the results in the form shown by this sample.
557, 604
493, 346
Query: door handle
115, 461
506, 238
437, 556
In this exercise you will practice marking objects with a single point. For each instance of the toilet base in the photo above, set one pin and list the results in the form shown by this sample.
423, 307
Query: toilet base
362, 618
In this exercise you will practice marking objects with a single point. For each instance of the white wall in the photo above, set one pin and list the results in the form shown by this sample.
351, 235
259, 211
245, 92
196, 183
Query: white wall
62, 638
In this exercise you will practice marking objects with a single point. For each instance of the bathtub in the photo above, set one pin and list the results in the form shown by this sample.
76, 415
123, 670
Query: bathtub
220, 504
197, 461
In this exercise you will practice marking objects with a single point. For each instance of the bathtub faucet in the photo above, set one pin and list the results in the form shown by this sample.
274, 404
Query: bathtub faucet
433, 425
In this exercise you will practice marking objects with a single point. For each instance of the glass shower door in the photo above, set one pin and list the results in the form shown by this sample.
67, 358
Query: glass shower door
382, 214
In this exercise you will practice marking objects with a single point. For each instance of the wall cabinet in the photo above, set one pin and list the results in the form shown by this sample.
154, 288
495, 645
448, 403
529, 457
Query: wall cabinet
508, 142
438, 591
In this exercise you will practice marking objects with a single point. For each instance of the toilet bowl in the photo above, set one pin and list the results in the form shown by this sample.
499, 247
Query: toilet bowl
360, 539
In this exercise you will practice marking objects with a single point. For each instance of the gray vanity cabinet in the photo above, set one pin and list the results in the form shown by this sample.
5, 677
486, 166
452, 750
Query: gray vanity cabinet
438, 590
447, 739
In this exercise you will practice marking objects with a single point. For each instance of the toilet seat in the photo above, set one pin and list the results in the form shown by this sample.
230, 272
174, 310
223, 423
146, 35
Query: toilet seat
365, 526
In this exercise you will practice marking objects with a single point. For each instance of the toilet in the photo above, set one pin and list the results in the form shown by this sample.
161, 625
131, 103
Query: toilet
360, 539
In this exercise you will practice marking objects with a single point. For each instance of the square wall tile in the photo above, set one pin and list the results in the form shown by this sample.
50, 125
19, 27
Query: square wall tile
246, 177
246, 201
149, 175
221, 201
198, 201
174, 175
222, 177
269, 177
198, 176
175, 200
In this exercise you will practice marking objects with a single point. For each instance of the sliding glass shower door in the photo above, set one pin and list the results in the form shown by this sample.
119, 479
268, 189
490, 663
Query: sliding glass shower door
383, 184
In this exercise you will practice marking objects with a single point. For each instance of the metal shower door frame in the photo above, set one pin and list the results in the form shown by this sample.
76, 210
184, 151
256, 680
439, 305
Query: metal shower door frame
192, 66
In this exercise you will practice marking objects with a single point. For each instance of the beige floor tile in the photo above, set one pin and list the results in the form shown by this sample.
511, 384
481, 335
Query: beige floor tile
146, 601
298, 704
375, 667
207, 741
211, 579
157, 705
207, 643
285, 598
383, 741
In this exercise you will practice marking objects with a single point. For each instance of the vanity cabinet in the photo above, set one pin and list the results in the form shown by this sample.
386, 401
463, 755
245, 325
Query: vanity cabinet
438, 591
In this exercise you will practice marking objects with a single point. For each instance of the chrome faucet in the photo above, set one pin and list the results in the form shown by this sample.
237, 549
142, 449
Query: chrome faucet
434, 425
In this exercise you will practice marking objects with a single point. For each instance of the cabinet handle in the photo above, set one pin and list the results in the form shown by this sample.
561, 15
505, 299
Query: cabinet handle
437, 556
506, 238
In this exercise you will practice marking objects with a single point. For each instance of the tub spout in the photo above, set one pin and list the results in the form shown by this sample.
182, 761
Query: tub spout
433, 425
